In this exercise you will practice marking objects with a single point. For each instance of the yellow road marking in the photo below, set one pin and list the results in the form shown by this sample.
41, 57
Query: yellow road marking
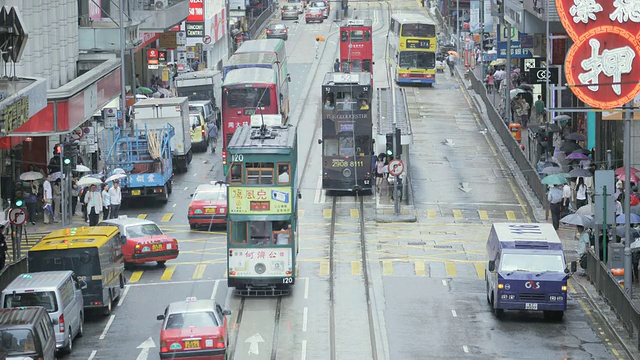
135, 277
387, 267
142, 216
450, 267
479, 269
483, 214
167, 217
324, 268
457, 214
356, 268
168, 272
326, 213
511, 215
615, 352
301, 213
199, 272
431, 214
420, 268
355, 214
571, 288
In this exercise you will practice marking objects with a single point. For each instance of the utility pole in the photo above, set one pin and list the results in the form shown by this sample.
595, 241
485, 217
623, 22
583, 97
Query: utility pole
628, 283
123, 90
507, 79
458, 26
547, 92
396, 203
482, 40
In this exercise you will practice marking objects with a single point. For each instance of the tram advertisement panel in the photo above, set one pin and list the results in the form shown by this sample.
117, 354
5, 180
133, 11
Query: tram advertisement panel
260, 262
260, 200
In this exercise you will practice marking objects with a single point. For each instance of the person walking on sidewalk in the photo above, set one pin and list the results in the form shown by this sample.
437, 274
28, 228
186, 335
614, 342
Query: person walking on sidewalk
106, 202
57, 202
213, 136
75, 192
451, 61
490, 81
336, 66
93, 199
116, 198
498, 77
581, 193
47, 197
539, 105
555, 203
566, 199
31, 201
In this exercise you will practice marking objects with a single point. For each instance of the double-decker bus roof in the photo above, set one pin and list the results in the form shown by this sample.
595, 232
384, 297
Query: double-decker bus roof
339, 78
250, 76
74, 238
264, 45
409, 18
252, 58
249, 139
358, 22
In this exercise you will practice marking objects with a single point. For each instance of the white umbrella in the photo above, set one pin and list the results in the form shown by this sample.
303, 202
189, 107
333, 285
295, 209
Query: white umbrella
81, 168
585, 210
515, 92
88, 180
115, 177
56, 175
561, 117
30, 176
141, 96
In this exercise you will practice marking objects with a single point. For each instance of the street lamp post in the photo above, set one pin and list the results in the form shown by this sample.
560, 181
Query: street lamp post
458, 26
123, 91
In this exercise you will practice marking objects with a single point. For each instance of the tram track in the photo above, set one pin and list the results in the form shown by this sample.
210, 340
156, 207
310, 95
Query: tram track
238, 323
365, 277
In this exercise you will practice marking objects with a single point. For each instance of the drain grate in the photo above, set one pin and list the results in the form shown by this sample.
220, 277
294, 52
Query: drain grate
417, 243
443, 246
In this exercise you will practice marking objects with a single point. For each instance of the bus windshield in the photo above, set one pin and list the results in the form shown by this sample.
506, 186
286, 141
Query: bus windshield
248, 97
417, 60
82, 261
532, 262
418, 30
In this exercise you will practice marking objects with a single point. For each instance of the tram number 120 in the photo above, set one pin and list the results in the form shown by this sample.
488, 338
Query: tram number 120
287, 280
237, 158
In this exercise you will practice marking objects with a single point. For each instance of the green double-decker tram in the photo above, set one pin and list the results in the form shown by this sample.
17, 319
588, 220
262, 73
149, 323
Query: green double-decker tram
262, 242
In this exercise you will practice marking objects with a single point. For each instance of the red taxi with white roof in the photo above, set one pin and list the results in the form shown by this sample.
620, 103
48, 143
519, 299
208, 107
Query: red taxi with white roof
194, 329
208, 205
145, 242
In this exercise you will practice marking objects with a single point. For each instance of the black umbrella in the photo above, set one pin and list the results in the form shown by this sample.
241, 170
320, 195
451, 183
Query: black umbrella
575, 173
620, 232
582, 151
575, 137
525, 87
569, 146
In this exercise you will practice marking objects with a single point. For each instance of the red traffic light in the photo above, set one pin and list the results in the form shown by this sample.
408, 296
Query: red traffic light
57, 149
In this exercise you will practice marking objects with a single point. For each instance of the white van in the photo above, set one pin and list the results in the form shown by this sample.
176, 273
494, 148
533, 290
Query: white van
59, 292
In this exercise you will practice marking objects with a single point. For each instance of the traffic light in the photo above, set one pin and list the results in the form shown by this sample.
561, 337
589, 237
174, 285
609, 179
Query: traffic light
18, 203
398, 150
57, 149
545, 141
500, 7
389, 147
67, 154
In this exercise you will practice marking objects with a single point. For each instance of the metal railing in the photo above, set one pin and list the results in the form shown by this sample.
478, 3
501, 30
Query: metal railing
607, 285
526, 168
11, 271
258, 22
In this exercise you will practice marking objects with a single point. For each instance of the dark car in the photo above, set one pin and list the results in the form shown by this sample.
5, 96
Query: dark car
289, 12
314, 14
277, 31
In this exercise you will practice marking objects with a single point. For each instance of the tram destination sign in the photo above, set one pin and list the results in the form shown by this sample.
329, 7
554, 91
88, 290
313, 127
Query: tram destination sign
262, 200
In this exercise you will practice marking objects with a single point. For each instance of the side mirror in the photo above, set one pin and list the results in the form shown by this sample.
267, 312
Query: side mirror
492, 265
160, 317
123, 239
226, 312
319, 141
574, 266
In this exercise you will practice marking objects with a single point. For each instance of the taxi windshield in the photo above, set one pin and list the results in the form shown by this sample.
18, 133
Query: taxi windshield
211, 195
143, 230
46, 299
17, 341
196, 319
532, 262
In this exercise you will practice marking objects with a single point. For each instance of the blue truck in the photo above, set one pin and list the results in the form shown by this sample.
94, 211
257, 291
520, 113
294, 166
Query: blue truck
526, 269
144, 157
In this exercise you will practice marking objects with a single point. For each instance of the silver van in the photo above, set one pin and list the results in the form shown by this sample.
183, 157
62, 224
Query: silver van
60, 293
207, 110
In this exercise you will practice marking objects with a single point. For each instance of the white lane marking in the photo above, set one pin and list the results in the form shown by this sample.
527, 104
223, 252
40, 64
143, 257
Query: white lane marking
303, 355
444, 282
215, 290
106, 328
318, 190
173, 282
174, 205
185, 188
453, 312
465, 348
124, 294
93, 354
305, 312
195, 174
306, 288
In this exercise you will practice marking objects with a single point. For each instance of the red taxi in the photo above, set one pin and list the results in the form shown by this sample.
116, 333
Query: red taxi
145, 242
313, 14
208, 205
194, 329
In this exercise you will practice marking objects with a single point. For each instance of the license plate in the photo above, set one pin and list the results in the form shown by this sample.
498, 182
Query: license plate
191, 344
530, 306
135, 192
210, 210
156, 247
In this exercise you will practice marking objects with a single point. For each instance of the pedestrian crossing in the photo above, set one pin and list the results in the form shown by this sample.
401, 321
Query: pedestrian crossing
403, 268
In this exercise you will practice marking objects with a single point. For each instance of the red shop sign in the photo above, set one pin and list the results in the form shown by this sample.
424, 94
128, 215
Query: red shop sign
152, 54
196, 11
600, 64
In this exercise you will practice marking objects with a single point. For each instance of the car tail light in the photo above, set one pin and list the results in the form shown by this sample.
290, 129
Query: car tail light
282, 11
204, 133
190, 210
61, 323
220, 342
284, 31
224, 158
268, 31
163, 346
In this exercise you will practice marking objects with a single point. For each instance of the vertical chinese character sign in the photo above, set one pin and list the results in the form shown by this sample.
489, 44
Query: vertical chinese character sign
603, 65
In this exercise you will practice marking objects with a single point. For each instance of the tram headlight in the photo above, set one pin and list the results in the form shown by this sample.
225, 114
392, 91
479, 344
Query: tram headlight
346, 173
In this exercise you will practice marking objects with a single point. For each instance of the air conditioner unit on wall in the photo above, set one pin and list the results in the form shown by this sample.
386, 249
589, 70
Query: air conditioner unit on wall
160, 4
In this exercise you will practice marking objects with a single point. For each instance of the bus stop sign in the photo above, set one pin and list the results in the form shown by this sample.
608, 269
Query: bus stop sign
396, 167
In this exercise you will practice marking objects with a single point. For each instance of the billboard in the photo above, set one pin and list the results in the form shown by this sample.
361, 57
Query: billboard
260, 200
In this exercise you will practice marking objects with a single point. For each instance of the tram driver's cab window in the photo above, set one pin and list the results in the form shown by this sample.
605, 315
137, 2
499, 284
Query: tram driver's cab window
345, 101
329, 102
281, 232
236, 173
344, 36
357, 35
259, 232
284, 173
259, 173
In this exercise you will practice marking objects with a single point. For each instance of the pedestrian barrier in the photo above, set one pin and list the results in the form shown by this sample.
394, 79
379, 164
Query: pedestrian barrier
618, 299
11, 271
260, 22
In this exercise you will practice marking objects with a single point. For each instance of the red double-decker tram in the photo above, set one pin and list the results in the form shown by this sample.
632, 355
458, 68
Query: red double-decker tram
356, 46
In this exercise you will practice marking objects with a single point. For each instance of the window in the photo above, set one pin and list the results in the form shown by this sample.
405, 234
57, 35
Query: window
417, 60
259, 232
419, 30
218, 194
238, 231
67, 292
17, 341
367, 36
248, 97
196, 319
46, 299
344, 36
281, 232
331, 147
259, 173
356, 66
347, 145
284, 173
366, 65
532, 262
194, 120
236, 173
136, 231
357, 35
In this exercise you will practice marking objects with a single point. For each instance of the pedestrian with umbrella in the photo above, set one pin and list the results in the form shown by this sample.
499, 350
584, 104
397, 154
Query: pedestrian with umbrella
93, 199
584, 243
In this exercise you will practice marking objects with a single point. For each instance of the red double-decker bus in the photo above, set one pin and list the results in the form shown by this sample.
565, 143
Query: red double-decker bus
356, 46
